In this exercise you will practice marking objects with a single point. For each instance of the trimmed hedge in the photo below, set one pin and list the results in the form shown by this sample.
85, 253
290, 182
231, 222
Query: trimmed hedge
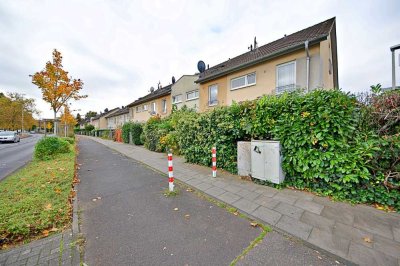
136, 129
48, 147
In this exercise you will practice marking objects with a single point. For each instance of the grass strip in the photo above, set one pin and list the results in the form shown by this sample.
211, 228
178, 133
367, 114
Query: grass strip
35, 201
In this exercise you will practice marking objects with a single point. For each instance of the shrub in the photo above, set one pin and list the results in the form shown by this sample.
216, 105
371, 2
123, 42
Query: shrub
89, 127
136, 129
48, 147
69, 139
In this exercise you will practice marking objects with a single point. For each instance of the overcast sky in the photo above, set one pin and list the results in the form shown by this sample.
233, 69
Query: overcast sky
122, 48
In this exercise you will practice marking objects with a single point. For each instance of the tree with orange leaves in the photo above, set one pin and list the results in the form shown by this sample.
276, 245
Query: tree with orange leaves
57, 87
67, 118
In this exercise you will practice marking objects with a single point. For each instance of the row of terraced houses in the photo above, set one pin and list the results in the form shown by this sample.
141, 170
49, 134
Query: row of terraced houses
305, 59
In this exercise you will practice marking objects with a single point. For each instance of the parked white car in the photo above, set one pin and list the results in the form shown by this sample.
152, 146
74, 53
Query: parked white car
9, 136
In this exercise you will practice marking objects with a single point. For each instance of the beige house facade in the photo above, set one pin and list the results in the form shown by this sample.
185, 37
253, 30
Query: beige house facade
118, 119
306, 59
185, 92
155, 103
100, 120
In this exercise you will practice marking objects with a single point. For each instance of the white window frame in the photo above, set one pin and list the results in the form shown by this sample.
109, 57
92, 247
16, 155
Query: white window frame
164, 105
276, 74
209, 95
174, 97
145, 107
194, 98
247, 84
153, 107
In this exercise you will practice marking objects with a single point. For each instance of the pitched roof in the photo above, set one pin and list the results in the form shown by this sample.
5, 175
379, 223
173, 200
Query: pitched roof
105, 113
152, 95
287, 44
121, 111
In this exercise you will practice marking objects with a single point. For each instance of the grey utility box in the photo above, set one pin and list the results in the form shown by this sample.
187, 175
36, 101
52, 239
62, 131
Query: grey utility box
266, 161
244, 158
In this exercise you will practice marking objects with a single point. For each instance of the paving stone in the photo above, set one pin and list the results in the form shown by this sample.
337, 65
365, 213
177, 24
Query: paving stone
46, 250
43, 260
26, 251
32, 260
267, 201
367, 256
396, 233
289, 210
215, 191
284, 197
228, 197
54, 262
338, 214
330, 242
33, 252
56, 250
373, 224
269, 191
232, 188
353, 234
203, 186
387, 246
317, 221
12, 258
194, 182
298, 193
294, 227
19, 262
245, 205
252, 196
221, 184
309, 205
243, 192
267, 215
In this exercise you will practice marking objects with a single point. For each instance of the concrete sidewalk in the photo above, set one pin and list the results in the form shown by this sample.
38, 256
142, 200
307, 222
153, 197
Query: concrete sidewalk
359, 234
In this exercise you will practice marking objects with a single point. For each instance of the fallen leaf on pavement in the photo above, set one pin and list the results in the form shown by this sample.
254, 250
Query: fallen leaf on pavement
189, 190
254, 224
98, 197
54, 229
236, 213
45, 232
176, 209
319, 257
187, 216
94, 199
367, 239
164, 248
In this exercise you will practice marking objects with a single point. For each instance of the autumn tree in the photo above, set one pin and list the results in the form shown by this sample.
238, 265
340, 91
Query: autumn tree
90, 114
57, 87
16, 109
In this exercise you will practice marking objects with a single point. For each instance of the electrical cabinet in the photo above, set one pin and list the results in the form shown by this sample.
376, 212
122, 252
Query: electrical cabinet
266, 161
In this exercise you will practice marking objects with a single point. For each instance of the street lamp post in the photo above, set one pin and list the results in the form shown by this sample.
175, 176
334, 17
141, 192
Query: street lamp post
393, 49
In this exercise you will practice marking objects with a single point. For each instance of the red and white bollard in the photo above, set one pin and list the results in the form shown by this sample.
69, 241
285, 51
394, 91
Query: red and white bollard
214, 161
170, 172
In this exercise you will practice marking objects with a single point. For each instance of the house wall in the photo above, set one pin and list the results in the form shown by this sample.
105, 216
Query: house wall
266, 77
327, 64
143, 116
186, 84
95, 123
117, 121
221, 96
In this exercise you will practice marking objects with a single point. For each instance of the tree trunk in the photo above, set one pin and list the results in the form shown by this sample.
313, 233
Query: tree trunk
55, 123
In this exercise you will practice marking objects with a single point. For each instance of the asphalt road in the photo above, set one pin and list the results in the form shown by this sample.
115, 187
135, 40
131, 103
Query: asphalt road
126, 220
15, 155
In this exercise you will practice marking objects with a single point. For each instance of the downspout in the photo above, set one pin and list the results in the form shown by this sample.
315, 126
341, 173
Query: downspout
307, 66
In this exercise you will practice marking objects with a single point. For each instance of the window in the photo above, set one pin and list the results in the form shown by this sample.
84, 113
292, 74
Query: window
286, 77
212, 95
177, 98
145, 107
243, 81
192, 95
164, 106
153, 107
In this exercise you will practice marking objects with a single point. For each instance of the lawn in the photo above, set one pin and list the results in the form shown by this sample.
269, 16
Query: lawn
35, 200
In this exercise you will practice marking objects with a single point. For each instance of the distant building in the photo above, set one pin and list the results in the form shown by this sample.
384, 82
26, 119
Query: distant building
185, 92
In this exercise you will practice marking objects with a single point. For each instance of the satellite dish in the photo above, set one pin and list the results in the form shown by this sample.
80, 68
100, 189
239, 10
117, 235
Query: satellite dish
173, 80
201, 66
151, 89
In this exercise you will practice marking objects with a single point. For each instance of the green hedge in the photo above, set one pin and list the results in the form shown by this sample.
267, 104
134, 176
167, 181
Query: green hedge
48, 147
136, 129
